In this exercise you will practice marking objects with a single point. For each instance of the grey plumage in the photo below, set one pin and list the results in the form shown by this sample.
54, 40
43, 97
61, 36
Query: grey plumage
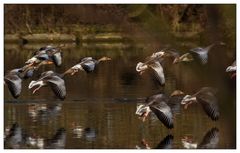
158, 70
206, 96
52, 79
13, 79
14, 83
210, 140
202, 53
163, 113
57, 85
48, 53
158, 105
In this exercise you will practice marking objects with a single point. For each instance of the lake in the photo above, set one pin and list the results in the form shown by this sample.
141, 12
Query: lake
99, 109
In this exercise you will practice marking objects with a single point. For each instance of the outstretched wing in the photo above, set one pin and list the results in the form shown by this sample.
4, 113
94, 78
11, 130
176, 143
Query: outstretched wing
158, 71
57, 58
202, 53
86, 59
88, 66
209, 103
163, 113
57, 85
14, 84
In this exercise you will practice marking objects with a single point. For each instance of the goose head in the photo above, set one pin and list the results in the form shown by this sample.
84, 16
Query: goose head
231, 69
187, 100
141, 67
104, 59
142, 111
32, 60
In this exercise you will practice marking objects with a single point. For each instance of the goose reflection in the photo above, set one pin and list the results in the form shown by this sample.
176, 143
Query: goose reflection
165, 143
14, 137
34, 142
44, 111
17, 138
58, 141
209, 141
87, 133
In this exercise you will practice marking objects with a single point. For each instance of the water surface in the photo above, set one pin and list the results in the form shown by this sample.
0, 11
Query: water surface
102, 104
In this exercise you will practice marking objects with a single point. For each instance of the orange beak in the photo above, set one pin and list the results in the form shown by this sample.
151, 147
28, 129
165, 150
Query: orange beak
49, 62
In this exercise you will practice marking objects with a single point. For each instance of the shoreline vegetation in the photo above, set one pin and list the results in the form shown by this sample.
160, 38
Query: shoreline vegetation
119, 24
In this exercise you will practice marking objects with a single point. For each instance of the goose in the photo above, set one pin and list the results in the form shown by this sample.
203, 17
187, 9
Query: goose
187, 57
52, 79
162, 106
154, 64
202, 53
206, 96
13, 79
46, 55
87, 64
177, 57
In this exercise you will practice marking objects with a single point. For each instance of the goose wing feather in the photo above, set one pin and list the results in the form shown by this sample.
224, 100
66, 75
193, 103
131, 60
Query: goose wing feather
14, 84
88, 66
158, 71
57, 85
209, 103
163, 113
57, 58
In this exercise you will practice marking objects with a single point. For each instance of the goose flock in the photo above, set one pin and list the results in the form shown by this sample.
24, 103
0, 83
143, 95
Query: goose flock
165, 107
44, 56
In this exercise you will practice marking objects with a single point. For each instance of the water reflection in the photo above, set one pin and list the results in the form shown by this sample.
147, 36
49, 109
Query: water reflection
105, 117
44, 112
166, 143
209, 141
58, 141
14, 136
88, 133
18, 138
